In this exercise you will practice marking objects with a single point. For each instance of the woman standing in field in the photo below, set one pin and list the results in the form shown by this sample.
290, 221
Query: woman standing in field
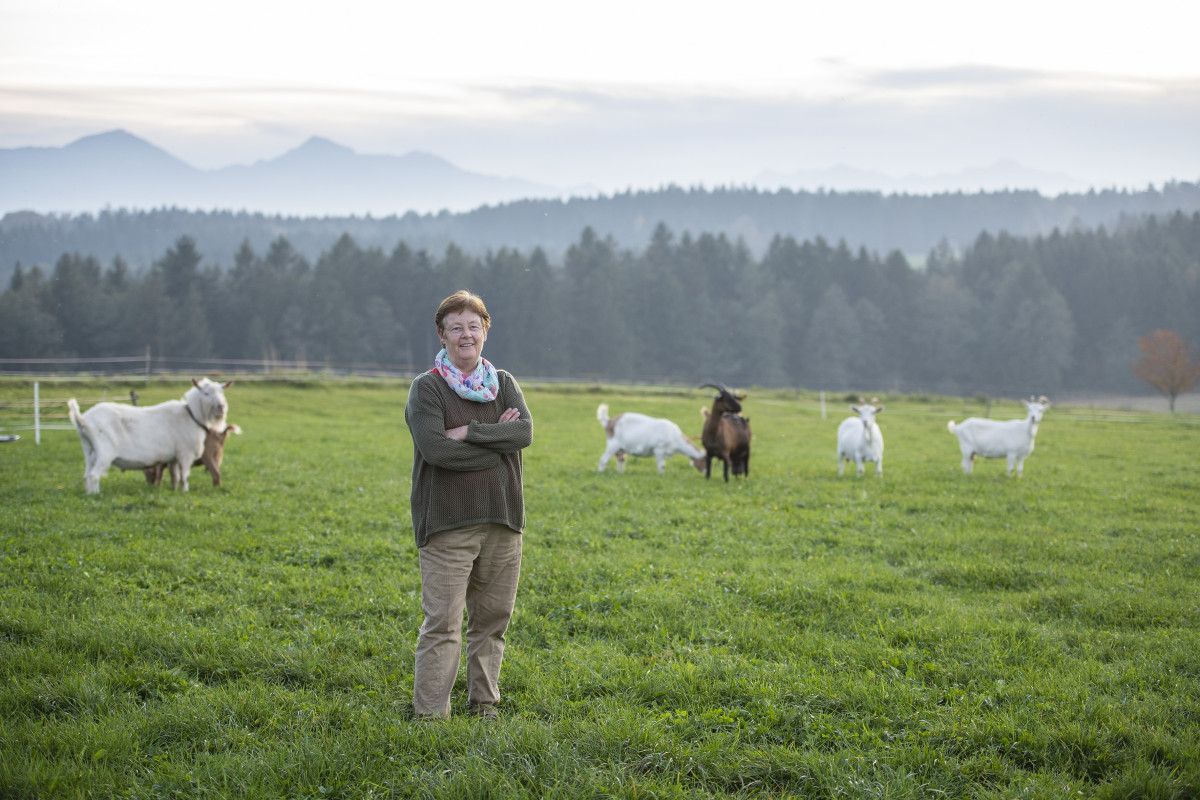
469, 423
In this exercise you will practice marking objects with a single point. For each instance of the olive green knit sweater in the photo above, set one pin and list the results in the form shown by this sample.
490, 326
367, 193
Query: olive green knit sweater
465, 483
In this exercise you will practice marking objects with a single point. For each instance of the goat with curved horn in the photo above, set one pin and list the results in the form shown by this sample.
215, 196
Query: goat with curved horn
728, 396
726, 434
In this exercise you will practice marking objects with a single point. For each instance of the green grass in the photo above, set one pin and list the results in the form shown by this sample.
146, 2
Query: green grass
926, 634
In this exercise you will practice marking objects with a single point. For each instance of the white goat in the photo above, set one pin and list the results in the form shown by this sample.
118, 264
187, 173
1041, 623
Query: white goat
129, 437
859, 438
1011, 439
639, 435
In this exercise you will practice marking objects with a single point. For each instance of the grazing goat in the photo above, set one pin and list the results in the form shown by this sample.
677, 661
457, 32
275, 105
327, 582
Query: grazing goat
859, 438
214, 454
1011, 439
726, 434
639, 435
132, 437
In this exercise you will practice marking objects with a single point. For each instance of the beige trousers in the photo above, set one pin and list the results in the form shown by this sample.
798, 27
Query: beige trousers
477, 568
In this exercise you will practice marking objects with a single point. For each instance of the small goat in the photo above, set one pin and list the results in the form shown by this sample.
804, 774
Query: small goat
214, 454
726, 434
1011, 439
131, 437
639, 435
859, 438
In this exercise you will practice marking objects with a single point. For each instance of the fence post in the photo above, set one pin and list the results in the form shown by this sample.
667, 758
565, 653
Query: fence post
822, 404
37, 417
147, 365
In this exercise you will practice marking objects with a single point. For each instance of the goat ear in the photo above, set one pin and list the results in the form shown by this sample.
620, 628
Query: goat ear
878, 409
194, 383
1044, 400
854, 409
227, 384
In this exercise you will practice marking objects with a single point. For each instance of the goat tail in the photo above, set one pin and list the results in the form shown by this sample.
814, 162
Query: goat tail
950, 426
602, 414
76, 417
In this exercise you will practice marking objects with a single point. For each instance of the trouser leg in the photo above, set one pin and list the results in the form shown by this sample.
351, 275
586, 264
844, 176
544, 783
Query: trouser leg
491, 595
446, 564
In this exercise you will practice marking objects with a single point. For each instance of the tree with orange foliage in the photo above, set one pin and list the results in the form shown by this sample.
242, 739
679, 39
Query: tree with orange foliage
1166, 364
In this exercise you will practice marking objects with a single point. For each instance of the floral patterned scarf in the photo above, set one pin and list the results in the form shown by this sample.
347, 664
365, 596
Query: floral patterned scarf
480, 386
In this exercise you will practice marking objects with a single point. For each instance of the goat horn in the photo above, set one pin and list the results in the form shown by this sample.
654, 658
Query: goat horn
726, 395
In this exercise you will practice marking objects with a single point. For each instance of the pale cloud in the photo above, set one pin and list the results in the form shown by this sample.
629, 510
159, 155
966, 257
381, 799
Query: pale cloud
625, 93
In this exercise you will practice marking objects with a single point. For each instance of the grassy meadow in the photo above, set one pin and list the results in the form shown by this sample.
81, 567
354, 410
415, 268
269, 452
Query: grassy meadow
924, 634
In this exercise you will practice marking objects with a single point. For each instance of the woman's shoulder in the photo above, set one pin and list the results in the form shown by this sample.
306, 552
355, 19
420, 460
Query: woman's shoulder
426, 380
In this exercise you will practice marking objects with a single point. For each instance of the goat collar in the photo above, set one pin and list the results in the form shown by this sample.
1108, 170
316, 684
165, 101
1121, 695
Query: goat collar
188, 408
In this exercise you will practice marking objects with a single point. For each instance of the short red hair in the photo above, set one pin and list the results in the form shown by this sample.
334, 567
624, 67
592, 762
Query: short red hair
462, 300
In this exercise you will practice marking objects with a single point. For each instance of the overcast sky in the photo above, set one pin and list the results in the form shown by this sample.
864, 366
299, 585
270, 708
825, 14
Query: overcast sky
623, 94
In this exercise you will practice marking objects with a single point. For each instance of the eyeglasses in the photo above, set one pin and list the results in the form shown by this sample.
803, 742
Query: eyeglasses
458, 330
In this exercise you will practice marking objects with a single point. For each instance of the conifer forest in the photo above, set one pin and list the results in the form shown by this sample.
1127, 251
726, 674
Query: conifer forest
1005, 314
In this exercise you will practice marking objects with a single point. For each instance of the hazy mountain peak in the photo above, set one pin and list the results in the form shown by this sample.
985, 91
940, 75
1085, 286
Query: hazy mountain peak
115, 136
114, 141
320, 147
115, 157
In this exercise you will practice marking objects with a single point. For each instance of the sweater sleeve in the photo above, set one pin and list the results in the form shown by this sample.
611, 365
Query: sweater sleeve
505, 437
427, 421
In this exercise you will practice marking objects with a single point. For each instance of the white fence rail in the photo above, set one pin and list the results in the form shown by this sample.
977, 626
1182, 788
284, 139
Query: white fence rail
145, 367
48, 414
45, 413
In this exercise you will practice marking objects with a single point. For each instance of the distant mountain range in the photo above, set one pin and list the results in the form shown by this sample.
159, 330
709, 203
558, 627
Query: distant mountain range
322, 178
318, 178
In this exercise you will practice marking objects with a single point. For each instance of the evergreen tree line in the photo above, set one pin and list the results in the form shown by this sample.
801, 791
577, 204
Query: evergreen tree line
1009, 315
912, 224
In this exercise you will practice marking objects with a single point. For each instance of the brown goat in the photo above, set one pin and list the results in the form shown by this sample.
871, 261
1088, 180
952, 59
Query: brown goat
726, 434
214, 453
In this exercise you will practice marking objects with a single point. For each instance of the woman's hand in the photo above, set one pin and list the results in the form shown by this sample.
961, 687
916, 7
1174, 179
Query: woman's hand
459, 434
